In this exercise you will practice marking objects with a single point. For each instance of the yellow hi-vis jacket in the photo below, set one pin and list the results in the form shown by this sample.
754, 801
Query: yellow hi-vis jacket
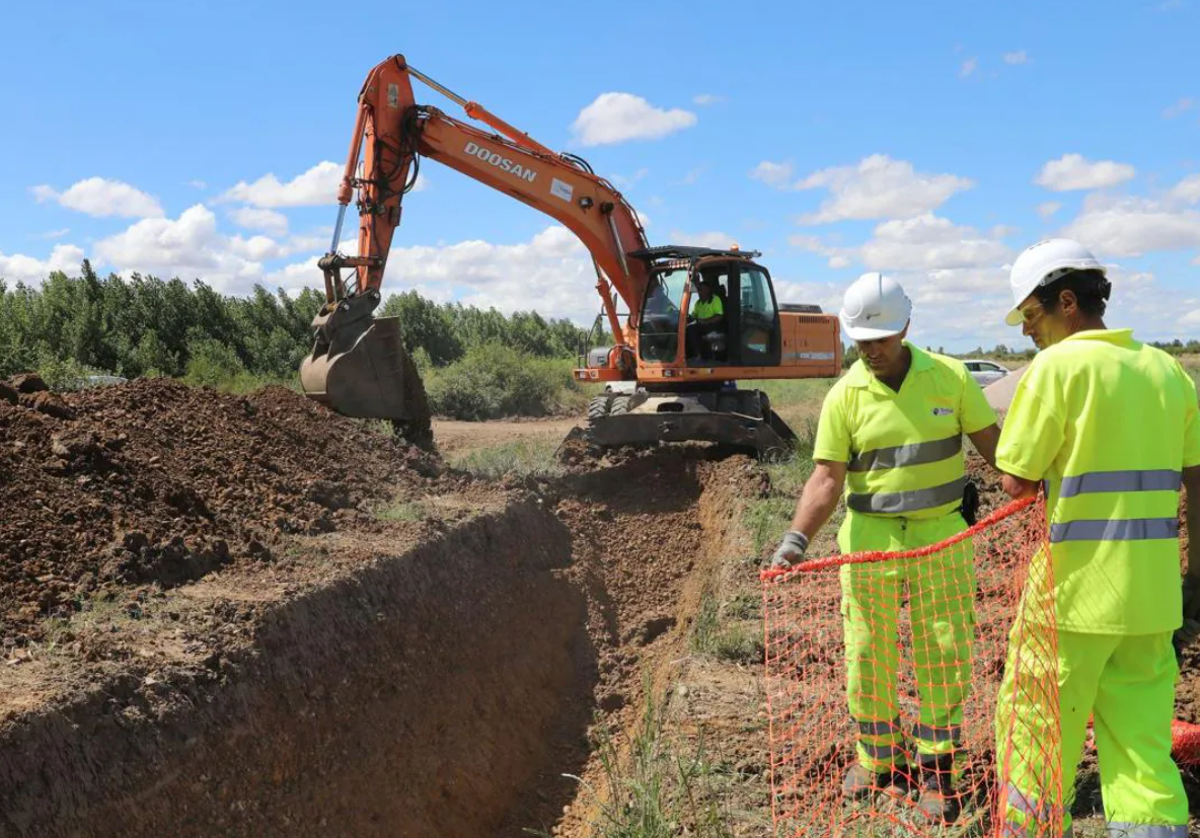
903, 449
1108, 423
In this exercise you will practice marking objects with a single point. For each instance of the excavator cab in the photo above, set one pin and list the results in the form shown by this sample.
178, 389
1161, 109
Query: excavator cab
747, 332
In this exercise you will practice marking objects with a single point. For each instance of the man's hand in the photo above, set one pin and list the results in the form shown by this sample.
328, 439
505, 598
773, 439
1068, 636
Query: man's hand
790, 550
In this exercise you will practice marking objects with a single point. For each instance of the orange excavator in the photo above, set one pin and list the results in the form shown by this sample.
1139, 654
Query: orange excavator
670, 373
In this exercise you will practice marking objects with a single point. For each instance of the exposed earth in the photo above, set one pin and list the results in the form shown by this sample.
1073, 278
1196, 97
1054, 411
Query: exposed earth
247, 616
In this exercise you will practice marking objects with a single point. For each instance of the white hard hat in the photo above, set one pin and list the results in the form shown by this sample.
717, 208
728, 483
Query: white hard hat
1042, 264
875, 306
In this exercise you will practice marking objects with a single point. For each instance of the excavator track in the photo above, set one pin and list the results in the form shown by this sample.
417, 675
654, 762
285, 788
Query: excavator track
738, 418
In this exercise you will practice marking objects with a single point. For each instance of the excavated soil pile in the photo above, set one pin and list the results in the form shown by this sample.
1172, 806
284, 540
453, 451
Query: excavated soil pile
157, 483
277, 660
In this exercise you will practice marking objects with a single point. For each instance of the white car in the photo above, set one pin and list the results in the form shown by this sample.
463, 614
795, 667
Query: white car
986, 372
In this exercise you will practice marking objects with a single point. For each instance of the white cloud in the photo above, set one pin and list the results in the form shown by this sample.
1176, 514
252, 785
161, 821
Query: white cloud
1073, 171
1187, 190
692, 175
198, 184
188, 247
1179, 108
930, 243
773, 174
706, 99
1192, 318
968, 67
253, 218
1048, 208
1132, 226
101, 198
924, 243
54, 234
481, 273
838, 257
1020, 57
827, 295
711, 238
619, 117
31, 270
879, 187
315, 187
628, 181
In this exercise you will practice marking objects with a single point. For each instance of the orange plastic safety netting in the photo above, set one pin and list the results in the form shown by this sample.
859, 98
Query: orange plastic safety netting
935, 671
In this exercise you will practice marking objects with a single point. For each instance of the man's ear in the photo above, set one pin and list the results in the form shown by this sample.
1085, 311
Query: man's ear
1068, 303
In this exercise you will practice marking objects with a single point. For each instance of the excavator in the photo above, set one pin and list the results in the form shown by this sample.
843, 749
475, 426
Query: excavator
670, 376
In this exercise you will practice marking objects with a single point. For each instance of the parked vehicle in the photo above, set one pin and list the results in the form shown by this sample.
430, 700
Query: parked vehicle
986, 372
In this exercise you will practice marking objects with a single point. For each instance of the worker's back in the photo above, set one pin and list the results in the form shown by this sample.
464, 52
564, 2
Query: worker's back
1112, 419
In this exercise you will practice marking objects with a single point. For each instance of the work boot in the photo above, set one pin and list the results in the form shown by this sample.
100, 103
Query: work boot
860, 783
938, 801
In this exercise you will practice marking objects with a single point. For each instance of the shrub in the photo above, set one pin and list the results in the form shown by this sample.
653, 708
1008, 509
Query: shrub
493, 381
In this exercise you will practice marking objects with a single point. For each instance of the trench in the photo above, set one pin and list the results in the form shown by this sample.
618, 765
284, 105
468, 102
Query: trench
443, 690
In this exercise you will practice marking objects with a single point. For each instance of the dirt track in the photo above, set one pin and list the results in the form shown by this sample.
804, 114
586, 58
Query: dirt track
456, 438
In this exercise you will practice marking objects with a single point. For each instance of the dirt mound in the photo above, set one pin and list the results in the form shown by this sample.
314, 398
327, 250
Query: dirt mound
155, 482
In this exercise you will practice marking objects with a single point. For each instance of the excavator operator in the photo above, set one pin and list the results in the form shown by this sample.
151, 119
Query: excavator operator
706, 326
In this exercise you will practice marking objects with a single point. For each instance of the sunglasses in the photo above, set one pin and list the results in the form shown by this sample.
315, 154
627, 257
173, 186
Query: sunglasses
1032, 313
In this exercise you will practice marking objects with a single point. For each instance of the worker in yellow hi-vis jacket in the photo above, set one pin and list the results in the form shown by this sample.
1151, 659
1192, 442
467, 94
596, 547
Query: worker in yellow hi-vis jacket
1112, 427
890, 432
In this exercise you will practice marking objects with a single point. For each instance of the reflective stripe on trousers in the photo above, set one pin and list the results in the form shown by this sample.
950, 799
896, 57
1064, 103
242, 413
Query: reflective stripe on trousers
938, 734
914, 501
913, 454
881, 752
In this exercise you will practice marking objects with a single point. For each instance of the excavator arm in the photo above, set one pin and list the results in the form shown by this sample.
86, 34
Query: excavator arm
358, 365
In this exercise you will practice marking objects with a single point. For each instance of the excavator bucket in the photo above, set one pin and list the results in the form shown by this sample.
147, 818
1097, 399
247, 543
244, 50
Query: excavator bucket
359, 367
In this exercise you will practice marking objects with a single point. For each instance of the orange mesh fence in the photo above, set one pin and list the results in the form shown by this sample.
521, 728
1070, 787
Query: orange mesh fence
934, 671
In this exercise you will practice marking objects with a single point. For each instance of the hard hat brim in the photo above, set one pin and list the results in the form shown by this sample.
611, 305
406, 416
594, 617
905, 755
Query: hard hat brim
865, 333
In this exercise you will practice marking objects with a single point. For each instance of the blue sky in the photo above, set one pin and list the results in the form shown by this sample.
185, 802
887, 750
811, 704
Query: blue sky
933, 142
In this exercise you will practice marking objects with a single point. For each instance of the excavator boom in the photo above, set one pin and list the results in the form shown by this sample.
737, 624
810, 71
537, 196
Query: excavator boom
359, 365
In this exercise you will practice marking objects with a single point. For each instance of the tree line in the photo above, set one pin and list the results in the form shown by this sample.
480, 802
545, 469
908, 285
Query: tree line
144, 325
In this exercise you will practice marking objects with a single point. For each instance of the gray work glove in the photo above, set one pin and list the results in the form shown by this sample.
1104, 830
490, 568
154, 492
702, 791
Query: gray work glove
790, 550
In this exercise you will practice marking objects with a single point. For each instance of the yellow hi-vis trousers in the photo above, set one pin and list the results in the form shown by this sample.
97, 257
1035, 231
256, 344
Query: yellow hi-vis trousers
940, 591
1127, 684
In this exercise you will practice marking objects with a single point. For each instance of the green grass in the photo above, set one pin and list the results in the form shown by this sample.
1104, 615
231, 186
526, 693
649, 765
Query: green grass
521, 458
93, 616
789, 393
658, 790
736, 641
